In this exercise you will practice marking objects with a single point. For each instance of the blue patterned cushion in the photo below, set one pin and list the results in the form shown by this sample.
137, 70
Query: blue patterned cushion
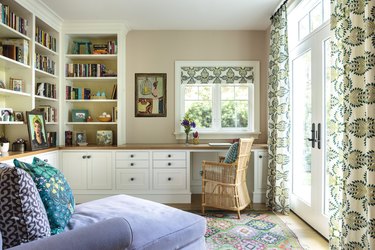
231, 155
22, 214
54, 190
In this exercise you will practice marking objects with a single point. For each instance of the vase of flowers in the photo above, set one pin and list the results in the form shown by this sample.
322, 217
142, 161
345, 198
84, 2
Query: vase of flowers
195, 137
188, 124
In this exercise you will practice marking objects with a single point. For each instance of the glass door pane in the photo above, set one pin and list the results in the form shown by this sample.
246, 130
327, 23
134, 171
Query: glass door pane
302, 126
327, 87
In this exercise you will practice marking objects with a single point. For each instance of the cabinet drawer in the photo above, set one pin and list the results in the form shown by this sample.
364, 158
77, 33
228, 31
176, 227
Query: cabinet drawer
169, 179
132, 155
169, 164
134, 179
132, 164
163, 155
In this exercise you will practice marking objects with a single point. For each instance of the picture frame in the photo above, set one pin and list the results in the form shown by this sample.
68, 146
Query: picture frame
79, 115
104, 137
52, 139
79, 138
6, 114
150, 95
3, 84
16, 84
18, 116
36, 127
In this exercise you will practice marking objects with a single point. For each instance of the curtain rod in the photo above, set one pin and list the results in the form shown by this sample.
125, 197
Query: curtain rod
285, 2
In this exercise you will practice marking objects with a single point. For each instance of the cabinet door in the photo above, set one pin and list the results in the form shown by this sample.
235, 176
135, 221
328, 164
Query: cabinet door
51, 158
260, 176
74, 167
99, 170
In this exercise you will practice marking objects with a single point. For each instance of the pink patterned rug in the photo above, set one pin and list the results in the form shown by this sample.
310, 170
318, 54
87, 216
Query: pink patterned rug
255, 230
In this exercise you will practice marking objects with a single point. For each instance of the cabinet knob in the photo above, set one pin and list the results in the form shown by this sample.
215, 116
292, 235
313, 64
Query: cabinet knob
132, 179
169, 164
84, 157
169, 156
169, 178
131, 156
89, 156
45, 160
132, 164
260, 156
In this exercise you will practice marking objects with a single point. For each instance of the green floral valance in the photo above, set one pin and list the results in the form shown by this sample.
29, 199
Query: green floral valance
217, 75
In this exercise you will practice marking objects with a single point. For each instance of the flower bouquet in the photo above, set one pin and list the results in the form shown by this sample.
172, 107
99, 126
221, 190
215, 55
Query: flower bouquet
188, 124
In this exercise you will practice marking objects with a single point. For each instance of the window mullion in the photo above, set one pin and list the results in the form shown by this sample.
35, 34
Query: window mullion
216, 107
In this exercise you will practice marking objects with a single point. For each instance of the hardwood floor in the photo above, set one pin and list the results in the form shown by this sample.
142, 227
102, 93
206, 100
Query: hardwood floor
307, 236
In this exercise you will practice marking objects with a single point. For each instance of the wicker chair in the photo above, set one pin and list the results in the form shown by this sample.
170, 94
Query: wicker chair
224, 184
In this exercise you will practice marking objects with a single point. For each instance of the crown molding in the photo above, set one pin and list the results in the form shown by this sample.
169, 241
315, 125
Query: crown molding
95, 26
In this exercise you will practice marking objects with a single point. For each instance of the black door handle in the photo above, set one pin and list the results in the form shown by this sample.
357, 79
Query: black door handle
312, 139
318, 135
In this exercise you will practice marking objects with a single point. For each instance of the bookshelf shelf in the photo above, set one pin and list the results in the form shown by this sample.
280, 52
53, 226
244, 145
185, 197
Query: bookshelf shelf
8, 92
112, 78
8, 32
92, 100
44, 50
46, 98
51, 123
41, 73
96, 57
11, 123
4, 63
91, 123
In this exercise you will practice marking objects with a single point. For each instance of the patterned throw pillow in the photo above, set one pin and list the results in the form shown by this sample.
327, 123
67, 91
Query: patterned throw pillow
22, 214
54, 190
231, 155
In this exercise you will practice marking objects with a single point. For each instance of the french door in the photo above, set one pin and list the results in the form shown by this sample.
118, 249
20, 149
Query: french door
310, 71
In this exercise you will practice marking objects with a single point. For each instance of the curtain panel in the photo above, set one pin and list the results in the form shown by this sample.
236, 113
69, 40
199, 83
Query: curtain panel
351, 125
277, 194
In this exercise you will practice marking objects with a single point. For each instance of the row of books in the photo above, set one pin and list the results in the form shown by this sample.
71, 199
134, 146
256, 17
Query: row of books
45, 39
16, 49
12, 20
85, 70
45, 63
109, 48
46, 89
73, 93
50, 113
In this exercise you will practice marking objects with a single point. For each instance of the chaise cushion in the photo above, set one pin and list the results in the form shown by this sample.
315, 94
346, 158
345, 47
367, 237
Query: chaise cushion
22, 214
54, 190
232, 153
154, 225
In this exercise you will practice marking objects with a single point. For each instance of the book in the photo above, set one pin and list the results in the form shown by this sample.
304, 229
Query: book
20, 49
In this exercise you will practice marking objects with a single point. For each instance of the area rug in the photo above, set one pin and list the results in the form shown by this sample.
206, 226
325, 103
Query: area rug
255, 230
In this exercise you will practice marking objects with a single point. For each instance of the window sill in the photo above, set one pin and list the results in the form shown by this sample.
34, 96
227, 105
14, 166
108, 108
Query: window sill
221, 135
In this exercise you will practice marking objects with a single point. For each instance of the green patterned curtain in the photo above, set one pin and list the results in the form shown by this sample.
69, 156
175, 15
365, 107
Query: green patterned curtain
351, 125
277, 195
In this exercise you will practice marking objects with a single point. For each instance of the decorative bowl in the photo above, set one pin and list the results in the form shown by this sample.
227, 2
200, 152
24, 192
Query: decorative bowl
82, 143
105, 119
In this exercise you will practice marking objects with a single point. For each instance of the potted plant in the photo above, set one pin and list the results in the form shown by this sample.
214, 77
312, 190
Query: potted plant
4, 144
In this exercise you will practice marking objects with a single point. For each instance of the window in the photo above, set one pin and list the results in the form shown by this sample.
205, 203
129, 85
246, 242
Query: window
221, 97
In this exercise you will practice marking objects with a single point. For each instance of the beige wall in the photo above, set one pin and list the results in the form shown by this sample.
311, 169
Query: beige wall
157, 51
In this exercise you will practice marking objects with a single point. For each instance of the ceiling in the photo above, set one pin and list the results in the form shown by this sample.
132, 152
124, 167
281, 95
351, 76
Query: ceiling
171, 14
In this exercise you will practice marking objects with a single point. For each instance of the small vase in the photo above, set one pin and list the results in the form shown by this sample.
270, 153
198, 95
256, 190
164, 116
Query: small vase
196, 140
187, 139
4, 147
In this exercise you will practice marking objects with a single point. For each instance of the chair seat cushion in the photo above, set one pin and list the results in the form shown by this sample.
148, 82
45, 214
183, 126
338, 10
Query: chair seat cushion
22, 214
232, 153
54, 191
154, 225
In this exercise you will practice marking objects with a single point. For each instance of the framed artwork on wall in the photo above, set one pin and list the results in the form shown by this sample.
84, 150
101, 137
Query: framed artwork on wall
37, 130
150, 95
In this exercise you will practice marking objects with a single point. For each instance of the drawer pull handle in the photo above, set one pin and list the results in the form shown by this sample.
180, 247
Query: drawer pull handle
169, 164
132, 164
132, 179
45, 160
169, 156
84, 157
89, 156
169, 178
260, 156
131, 156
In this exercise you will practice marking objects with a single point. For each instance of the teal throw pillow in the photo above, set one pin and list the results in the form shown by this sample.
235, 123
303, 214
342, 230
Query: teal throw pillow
231, 155
54, 190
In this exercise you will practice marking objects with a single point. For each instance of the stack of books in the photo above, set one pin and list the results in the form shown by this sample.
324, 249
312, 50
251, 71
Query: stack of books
46, 89
45, 39
85, 70
8, 17
16, 49
77, 93
45, 63
50, 113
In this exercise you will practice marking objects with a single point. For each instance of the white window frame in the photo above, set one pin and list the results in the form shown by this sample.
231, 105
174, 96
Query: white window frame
253, 128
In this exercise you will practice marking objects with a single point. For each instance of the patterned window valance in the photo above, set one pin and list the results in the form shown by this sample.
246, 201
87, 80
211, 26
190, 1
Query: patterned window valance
217, 75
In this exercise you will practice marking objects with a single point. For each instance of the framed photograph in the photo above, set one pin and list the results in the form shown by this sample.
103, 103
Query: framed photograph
114, 114
68, 138
6, 115
2, 85
37, 130
79, 115
104, 137
18, 116
16, 84
52, 138
79, 138
150, 95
